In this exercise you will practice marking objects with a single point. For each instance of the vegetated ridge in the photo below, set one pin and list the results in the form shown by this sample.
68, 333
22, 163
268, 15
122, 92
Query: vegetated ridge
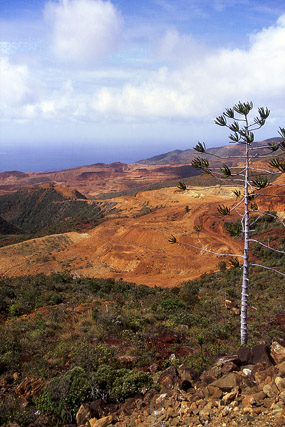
186, 156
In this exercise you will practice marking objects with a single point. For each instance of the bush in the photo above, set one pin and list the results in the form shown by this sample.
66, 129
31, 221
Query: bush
90, 356
63, 396
119, 384
171, 304
222, 265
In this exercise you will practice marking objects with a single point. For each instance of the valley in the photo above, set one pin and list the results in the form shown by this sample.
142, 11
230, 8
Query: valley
132, 243
115, 221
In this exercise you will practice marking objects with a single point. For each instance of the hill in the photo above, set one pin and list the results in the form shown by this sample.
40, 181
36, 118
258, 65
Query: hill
47, 209
7, 228
186, 156
131, 352
95, 180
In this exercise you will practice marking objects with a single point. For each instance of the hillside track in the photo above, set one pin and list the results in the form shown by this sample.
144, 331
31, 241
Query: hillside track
133, 244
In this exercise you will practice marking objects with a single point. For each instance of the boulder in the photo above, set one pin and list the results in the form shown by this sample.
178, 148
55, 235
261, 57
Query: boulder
280, 383
257, 354
228, 382
213, 392
168, 378
278, 350
83, 414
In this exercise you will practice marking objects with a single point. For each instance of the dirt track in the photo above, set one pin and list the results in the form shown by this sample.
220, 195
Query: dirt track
133, 245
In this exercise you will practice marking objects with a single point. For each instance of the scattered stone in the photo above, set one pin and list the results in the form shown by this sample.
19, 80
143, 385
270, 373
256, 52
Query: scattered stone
103, 422
267, 389
30, 387
83, 414
278, 350
228, 382
169, 378
214, 392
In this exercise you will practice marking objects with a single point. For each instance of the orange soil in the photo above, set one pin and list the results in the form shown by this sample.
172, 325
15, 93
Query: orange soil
135, 248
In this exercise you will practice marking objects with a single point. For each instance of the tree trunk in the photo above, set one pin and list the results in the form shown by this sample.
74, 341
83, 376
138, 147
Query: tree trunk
244, 290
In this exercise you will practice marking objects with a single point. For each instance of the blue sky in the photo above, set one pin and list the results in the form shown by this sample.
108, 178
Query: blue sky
134, 78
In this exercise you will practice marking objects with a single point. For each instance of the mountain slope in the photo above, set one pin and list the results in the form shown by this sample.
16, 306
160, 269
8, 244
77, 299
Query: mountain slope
186, 156
47, 209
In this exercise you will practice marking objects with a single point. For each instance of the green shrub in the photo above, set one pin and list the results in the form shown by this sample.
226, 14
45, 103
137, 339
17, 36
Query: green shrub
89, 356
171, 304
234, 228
222, 265
119, 384
63, 395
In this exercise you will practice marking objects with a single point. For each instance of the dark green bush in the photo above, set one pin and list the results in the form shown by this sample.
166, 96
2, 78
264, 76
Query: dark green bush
171, 304
63, 395
89, 356
119, 384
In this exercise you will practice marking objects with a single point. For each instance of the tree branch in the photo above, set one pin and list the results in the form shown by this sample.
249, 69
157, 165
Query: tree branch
266, 246
268, 268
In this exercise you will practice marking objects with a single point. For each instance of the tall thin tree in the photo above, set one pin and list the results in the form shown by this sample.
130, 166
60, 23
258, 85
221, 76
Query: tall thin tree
236, 119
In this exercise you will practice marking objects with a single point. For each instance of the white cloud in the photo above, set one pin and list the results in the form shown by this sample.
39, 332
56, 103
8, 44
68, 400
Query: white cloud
204, 86
15, 85
83, 31
176, 47
198, 88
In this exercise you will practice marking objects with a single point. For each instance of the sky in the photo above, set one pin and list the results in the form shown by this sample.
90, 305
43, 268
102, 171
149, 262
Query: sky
86, 81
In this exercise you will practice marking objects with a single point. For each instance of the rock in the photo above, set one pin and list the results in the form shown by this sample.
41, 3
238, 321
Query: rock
186, 378
251, 356
16, 375
97, 408
213, 392
278, 350
169, 378
31, 387
229, 397
280, 383
83, 414
103, 422
267, 389
227, 382
228, 367
281, 368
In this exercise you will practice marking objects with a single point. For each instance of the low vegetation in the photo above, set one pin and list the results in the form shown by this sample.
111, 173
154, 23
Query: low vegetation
27, 213
97, 338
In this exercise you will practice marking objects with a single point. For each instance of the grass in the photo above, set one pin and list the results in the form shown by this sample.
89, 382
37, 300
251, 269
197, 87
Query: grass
72, 332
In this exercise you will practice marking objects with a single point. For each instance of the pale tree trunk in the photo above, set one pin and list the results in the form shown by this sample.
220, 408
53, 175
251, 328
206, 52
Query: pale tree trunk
244, 291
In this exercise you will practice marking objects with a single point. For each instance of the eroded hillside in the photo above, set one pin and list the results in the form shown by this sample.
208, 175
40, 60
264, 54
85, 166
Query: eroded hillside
133, 244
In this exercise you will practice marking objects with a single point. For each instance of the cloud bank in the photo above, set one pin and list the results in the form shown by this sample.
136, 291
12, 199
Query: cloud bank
204, 86
198, 86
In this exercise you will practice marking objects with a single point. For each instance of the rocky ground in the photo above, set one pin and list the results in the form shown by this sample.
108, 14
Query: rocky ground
246, 389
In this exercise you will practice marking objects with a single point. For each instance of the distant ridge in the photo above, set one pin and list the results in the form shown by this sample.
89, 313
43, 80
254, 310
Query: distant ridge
186, 156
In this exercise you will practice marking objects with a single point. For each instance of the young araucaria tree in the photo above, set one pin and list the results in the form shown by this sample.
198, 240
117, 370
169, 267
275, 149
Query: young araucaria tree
252, 178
